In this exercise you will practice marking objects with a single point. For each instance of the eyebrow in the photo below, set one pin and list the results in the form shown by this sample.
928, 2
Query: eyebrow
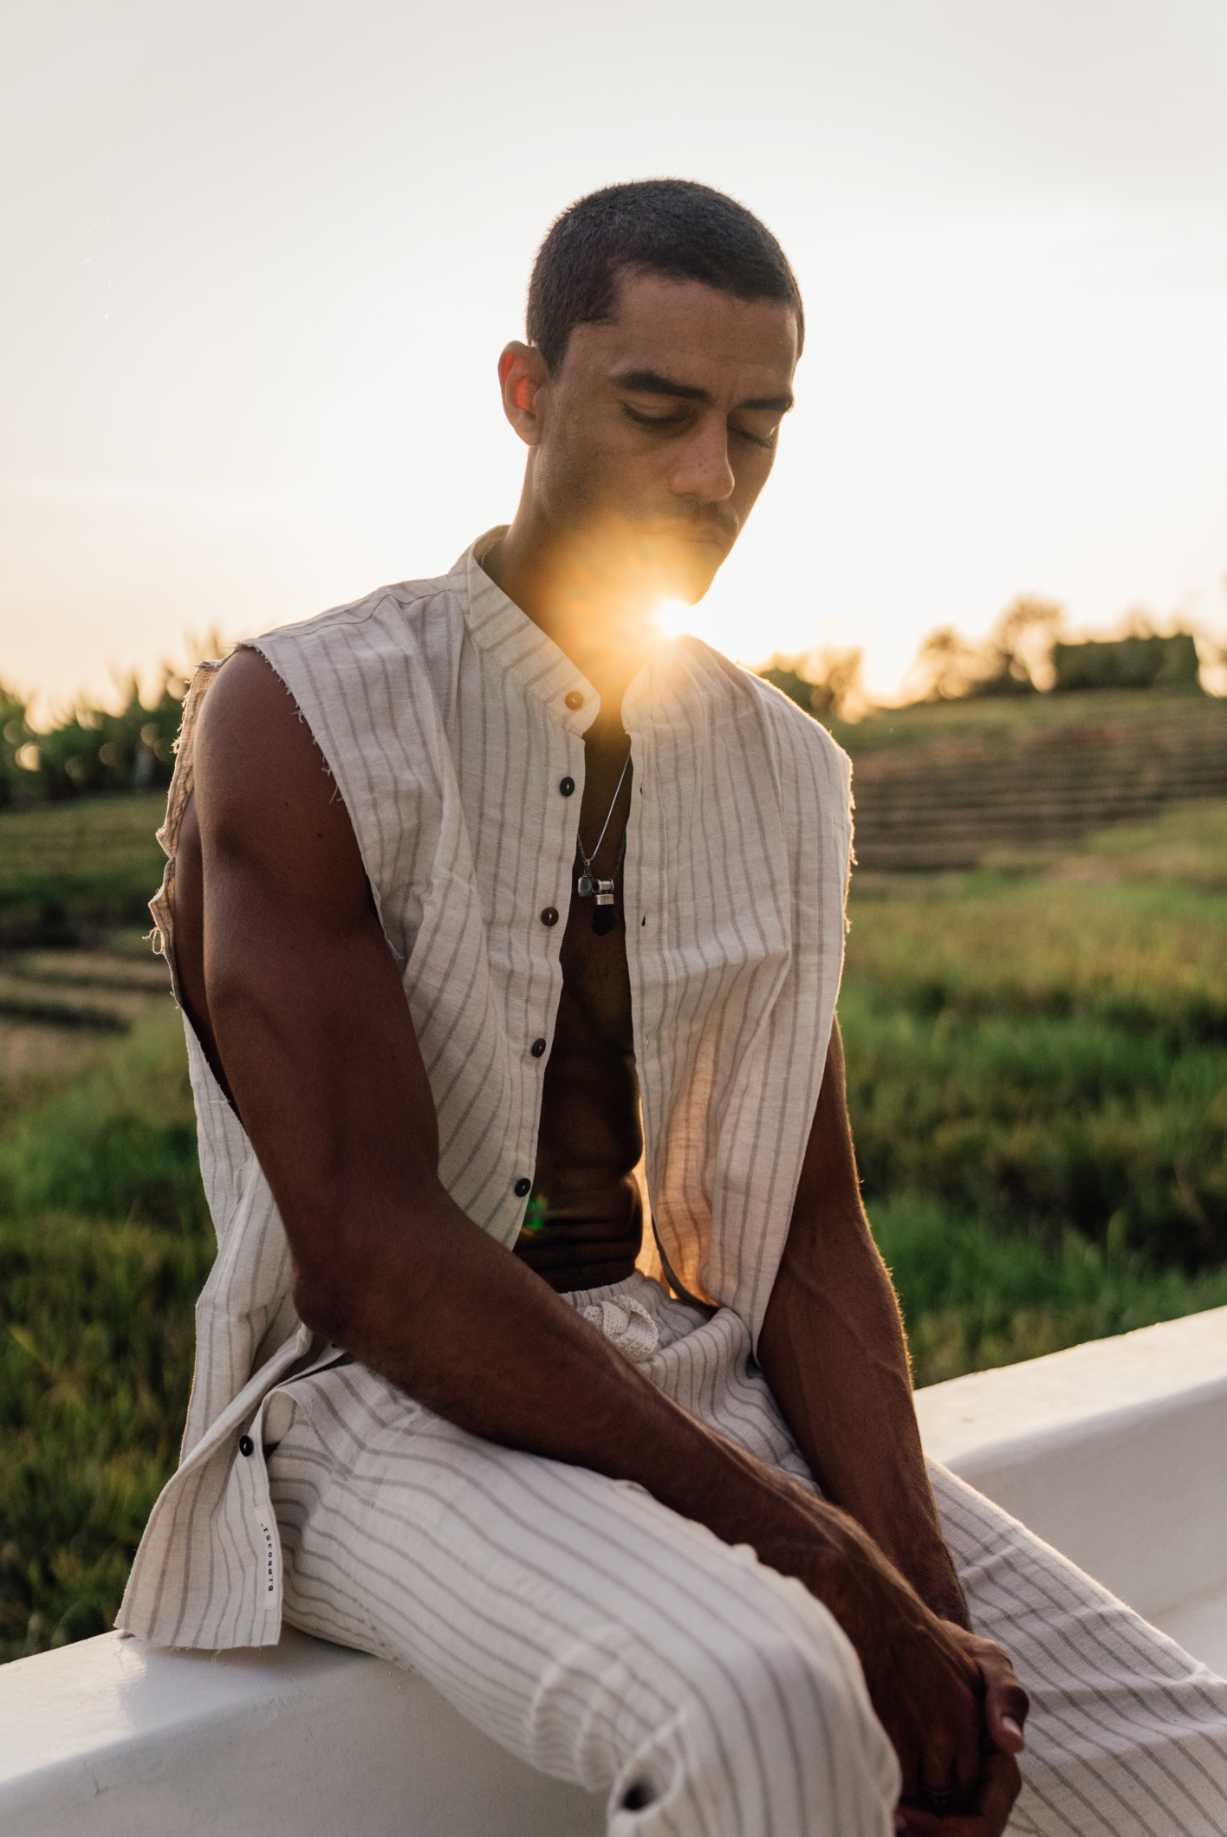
651, 382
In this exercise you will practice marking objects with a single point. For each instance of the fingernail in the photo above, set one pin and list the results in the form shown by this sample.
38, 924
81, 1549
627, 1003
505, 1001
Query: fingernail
1011, 1727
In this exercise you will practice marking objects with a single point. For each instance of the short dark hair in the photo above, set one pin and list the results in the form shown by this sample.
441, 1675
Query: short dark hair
649, 226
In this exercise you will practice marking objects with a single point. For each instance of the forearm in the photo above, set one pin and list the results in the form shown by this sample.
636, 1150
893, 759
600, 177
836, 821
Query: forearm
834, 1353
467, 1329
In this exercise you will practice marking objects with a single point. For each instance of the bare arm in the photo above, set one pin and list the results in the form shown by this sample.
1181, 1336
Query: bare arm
834, 1352
318, 1046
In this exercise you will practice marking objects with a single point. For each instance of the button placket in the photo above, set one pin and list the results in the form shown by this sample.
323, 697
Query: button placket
549, 915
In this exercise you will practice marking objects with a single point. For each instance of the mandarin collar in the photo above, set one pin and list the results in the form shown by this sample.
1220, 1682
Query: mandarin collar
532, 660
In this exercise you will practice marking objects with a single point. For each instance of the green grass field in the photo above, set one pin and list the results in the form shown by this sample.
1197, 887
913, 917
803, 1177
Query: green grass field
1037, 1060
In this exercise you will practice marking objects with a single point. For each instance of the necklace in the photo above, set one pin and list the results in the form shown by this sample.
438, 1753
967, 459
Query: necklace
588, 884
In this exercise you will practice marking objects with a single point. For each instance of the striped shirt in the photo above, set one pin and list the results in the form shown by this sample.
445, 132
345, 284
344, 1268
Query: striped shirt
448, 721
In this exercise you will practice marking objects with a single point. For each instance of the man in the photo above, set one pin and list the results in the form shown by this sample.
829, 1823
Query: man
653, 1512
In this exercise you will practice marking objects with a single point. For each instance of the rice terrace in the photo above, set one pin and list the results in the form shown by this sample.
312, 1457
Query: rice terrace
1035, 1013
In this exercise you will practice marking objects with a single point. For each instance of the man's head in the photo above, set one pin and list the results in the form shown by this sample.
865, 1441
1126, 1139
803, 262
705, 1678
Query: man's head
664, 325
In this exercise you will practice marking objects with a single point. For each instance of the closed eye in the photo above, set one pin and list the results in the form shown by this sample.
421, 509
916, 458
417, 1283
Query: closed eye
654, 420
642, 420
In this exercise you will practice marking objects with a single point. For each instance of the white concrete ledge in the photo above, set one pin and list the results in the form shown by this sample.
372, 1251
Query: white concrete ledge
1112, 1450
1115, 1452
111, 1738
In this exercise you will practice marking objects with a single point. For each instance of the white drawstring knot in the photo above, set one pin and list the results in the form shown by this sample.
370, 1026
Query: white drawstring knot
626, 1324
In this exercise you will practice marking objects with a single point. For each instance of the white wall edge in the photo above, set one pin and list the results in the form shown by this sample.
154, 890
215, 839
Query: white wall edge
112, 1738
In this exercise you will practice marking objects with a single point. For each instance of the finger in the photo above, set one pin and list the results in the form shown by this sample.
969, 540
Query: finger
1000, 1787
951, 1759
1006, 1705
918, 1823
950, 1775
928, 1824
942, 1803
960, 1793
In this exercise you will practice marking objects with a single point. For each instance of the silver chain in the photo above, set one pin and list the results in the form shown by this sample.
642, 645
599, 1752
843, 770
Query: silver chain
588, 860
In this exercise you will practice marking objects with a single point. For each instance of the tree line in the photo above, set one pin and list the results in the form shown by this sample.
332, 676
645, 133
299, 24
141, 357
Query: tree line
1027, 652
92, 749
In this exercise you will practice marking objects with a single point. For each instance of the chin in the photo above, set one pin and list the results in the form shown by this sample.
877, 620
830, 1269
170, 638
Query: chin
671, 563
693, 571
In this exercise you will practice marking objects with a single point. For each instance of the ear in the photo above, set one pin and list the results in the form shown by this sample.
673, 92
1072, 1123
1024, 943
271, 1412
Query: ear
524, 380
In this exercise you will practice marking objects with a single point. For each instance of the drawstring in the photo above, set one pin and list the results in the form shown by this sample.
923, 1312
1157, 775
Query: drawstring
626, 1324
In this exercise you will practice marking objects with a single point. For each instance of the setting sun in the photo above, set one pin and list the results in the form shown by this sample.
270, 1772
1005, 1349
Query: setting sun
675, 617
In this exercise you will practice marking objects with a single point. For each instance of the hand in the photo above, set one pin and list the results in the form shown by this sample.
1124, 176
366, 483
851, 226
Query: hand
1006, 1703
984, 1812
944, 1695
928, 1693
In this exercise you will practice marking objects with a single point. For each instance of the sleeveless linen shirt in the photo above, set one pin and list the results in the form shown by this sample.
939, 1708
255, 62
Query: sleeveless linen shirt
449, 723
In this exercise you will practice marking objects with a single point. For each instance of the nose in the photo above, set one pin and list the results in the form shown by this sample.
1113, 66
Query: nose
703, 471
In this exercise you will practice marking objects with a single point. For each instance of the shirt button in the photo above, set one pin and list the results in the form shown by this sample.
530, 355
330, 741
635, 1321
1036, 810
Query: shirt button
522, 1186
246, 1445
574, 698
537, 1048
550, 916
566, 786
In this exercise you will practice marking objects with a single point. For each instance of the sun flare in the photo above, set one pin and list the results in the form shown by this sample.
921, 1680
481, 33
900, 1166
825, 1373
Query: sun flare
674, 617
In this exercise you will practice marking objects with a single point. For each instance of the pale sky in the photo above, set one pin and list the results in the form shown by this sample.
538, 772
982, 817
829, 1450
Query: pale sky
261, 260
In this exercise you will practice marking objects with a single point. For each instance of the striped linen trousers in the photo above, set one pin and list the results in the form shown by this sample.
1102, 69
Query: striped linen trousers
609, 1641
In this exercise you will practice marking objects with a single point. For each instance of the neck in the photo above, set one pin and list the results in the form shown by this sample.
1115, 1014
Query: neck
608, 631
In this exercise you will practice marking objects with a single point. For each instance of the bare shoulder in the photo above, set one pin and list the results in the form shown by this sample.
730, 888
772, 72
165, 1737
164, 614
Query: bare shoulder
250, 720
264, 794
